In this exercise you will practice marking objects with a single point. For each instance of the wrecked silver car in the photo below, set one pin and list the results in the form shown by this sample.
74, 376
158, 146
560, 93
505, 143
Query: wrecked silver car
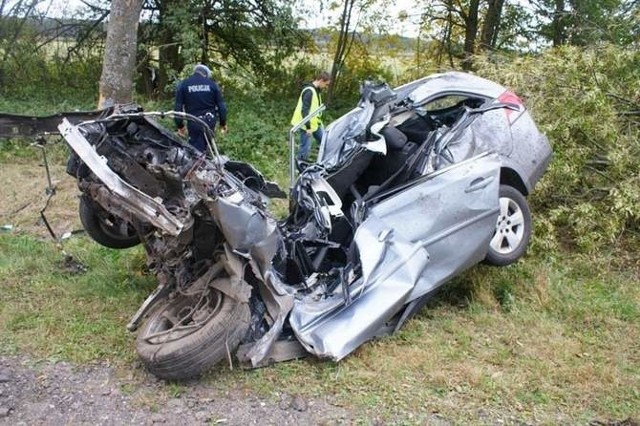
412, 187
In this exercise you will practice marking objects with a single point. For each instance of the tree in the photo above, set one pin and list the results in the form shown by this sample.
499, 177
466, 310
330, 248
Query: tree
361, 30
242, 38
40, 52
470, 20
491, 24
116, 82
454, 24
585, 22
554, 18
345, 38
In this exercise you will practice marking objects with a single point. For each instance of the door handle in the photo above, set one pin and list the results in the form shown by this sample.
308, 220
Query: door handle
478, 184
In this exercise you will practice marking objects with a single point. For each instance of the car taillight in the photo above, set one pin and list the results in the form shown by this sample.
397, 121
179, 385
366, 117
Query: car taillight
509, 97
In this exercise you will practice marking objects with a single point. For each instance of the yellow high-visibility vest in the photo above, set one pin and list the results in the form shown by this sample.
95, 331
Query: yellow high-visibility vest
316, 121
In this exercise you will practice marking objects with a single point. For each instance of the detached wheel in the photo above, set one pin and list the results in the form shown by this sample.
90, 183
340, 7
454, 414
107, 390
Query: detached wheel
188, 334
104, 228
513, 228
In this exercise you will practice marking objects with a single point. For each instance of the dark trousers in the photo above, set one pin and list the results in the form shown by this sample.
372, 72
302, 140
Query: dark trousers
197, 132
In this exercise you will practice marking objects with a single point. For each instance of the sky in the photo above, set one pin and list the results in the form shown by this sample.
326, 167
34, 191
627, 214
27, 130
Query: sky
318, 19
408, 27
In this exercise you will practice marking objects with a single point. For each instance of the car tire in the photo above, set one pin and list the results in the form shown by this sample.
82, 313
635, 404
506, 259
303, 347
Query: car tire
104, 228
513, 228
187, 349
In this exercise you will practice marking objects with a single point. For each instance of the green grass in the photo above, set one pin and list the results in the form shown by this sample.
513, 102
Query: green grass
545, 341
49, 103
53, 313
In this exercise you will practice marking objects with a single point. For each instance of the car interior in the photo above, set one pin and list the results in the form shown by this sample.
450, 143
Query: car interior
367, 176
410, 136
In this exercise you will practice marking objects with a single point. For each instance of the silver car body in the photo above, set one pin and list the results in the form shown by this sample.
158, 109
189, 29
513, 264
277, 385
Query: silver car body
432, 228
409, 244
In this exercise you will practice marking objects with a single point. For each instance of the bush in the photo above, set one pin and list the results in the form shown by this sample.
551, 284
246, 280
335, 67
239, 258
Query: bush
258, 133
583, 100
44, 75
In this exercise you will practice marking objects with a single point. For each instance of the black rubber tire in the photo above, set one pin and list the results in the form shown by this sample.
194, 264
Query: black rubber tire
513, 228
193, 354
101, 231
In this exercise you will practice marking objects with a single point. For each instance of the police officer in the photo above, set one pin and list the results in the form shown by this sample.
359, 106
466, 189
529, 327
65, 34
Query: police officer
199, 95
310, 100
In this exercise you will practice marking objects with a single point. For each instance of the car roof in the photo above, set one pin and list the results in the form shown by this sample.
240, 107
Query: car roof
453, 81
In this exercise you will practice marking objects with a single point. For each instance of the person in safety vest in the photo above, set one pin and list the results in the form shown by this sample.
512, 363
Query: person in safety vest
199, 95
310, 100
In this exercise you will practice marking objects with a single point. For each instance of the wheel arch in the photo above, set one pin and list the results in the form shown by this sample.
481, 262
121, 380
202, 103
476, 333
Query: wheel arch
508, 176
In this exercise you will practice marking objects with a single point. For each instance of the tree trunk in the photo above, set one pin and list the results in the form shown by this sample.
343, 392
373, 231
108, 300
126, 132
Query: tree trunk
170, 62
446, 45
118, 66
558, 23
491, 25
470, 33
338, 58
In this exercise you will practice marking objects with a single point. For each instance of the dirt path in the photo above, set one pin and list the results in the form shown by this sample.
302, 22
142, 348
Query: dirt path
59, 393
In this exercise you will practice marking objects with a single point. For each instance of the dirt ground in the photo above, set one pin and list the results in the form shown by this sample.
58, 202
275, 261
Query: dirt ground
62, 394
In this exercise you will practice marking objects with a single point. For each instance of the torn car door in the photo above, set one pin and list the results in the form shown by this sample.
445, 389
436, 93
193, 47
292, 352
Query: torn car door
412, 240
451, 213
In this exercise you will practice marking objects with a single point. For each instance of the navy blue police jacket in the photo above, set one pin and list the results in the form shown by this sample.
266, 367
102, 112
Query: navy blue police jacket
199, 95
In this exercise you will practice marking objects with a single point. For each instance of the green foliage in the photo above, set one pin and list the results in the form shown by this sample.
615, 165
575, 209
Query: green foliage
359, 65
587, 22
292, 78
44, 72
16, 149
244, 44
258, 133
12, 149
584, 100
